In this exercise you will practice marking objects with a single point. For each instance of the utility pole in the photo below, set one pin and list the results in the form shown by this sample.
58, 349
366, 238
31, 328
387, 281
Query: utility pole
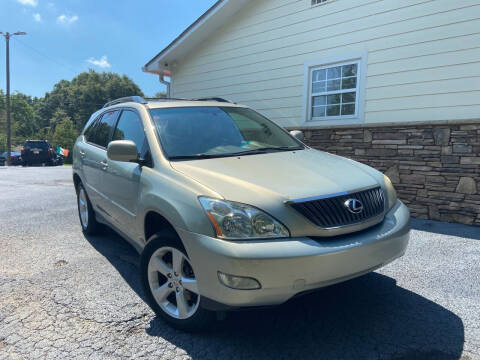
7, 36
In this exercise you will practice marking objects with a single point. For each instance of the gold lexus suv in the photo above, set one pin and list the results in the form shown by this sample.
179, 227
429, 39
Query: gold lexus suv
227, 209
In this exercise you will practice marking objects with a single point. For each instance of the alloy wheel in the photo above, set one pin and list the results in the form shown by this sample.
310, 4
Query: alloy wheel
172, 283
83, 208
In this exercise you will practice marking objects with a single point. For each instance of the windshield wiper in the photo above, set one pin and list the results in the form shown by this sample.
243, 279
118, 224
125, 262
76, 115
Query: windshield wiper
264, 150
246, 152
199, 156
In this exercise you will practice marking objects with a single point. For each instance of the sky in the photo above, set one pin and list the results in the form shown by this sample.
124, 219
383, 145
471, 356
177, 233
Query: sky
67, 37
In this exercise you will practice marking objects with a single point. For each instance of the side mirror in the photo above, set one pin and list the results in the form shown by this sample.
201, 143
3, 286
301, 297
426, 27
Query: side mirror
122, 150
298, 135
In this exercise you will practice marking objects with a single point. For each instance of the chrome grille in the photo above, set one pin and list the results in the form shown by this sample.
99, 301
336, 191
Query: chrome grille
330, 212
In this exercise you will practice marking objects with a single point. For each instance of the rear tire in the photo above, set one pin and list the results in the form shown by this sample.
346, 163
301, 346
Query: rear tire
166, 271
89, 224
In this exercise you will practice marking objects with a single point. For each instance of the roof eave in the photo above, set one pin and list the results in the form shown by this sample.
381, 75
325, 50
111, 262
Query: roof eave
211, 20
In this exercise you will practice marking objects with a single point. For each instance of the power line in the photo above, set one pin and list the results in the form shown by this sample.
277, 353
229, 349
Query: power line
46, 56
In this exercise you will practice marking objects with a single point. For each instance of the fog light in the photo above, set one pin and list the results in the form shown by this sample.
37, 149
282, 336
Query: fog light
238, 282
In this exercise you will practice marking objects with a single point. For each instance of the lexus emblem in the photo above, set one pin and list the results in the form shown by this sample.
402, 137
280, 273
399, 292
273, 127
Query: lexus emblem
354, 206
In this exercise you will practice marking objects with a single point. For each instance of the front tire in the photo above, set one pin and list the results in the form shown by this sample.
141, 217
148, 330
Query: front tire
170, 285
88, 222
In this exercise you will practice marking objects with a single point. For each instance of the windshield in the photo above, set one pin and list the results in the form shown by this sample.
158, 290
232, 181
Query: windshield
204, 132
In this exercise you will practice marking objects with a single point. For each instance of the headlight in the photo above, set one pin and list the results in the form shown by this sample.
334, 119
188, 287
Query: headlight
232, 220
391, 193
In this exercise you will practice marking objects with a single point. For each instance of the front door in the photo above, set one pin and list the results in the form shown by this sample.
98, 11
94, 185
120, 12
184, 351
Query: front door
94, 159
123, 178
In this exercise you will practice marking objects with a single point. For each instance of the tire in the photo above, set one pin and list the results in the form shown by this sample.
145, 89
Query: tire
171, 285
89, 224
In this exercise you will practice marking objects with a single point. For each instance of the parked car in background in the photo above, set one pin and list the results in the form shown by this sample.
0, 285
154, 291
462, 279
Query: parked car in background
228, 209
38, 152
15, 158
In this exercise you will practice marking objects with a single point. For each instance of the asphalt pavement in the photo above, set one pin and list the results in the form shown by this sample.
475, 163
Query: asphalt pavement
64, 296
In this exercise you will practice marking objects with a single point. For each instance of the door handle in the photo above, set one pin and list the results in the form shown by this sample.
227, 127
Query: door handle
82, 154
104, 164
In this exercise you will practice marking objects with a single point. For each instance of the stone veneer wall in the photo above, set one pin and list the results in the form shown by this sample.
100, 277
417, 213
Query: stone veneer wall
434, 168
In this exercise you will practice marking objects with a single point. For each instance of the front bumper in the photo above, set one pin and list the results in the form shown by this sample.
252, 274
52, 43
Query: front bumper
286, 267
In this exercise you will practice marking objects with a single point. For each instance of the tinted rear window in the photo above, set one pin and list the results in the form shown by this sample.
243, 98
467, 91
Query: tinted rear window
36, 144
101, 132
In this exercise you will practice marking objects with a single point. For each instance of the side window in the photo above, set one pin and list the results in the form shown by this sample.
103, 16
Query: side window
130, 127
90, 130
318, 2
334, 91
101, 132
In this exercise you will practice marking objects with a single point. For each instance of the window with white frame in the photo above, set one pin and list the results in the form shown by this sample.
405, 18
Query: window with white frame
334, 91
316, 2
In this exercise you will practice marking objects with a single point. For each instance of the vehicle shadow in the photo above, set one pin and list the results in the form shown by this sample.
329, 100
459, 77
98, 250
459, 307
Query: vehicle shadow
365, 318
438, 227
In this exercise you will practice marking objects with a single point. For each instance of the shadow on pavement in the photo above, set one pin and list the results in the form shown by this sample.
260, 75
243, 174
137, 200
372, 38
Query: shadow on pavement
365, 318
438, 227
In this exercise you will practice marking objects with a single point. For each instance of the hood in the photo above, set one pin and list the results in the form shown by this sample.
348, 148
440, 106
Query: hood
288, 175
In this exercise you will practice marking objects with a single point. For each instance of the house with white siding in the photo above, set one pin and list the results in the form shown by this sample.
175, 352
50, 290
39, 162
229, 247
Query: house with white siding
394, 84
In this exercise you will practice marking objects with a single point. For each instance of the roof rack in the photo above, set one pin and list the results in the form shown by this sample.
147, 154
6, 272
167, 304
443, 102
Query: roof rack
137, 99
141, 100
165, 99
219, 99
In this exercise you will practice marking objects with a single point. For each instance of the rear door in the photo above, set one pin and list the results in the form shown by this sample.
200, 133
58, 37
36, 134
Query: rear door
94, 155
122, 179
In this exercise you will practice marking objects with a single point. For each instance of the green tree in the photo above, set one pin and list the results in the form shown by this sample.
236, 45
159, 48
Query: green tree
84, 95
75, 100
23, 117
65, 133
3, 143
57, 118
23, 121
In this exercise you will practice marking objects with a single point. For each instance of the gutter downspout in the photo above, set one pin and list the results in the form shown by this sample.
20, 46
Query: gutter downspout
166, 73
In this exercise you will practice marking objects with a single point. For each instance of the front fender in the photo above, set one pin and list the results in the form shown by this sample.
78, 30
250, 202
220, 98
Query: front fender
176, 199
